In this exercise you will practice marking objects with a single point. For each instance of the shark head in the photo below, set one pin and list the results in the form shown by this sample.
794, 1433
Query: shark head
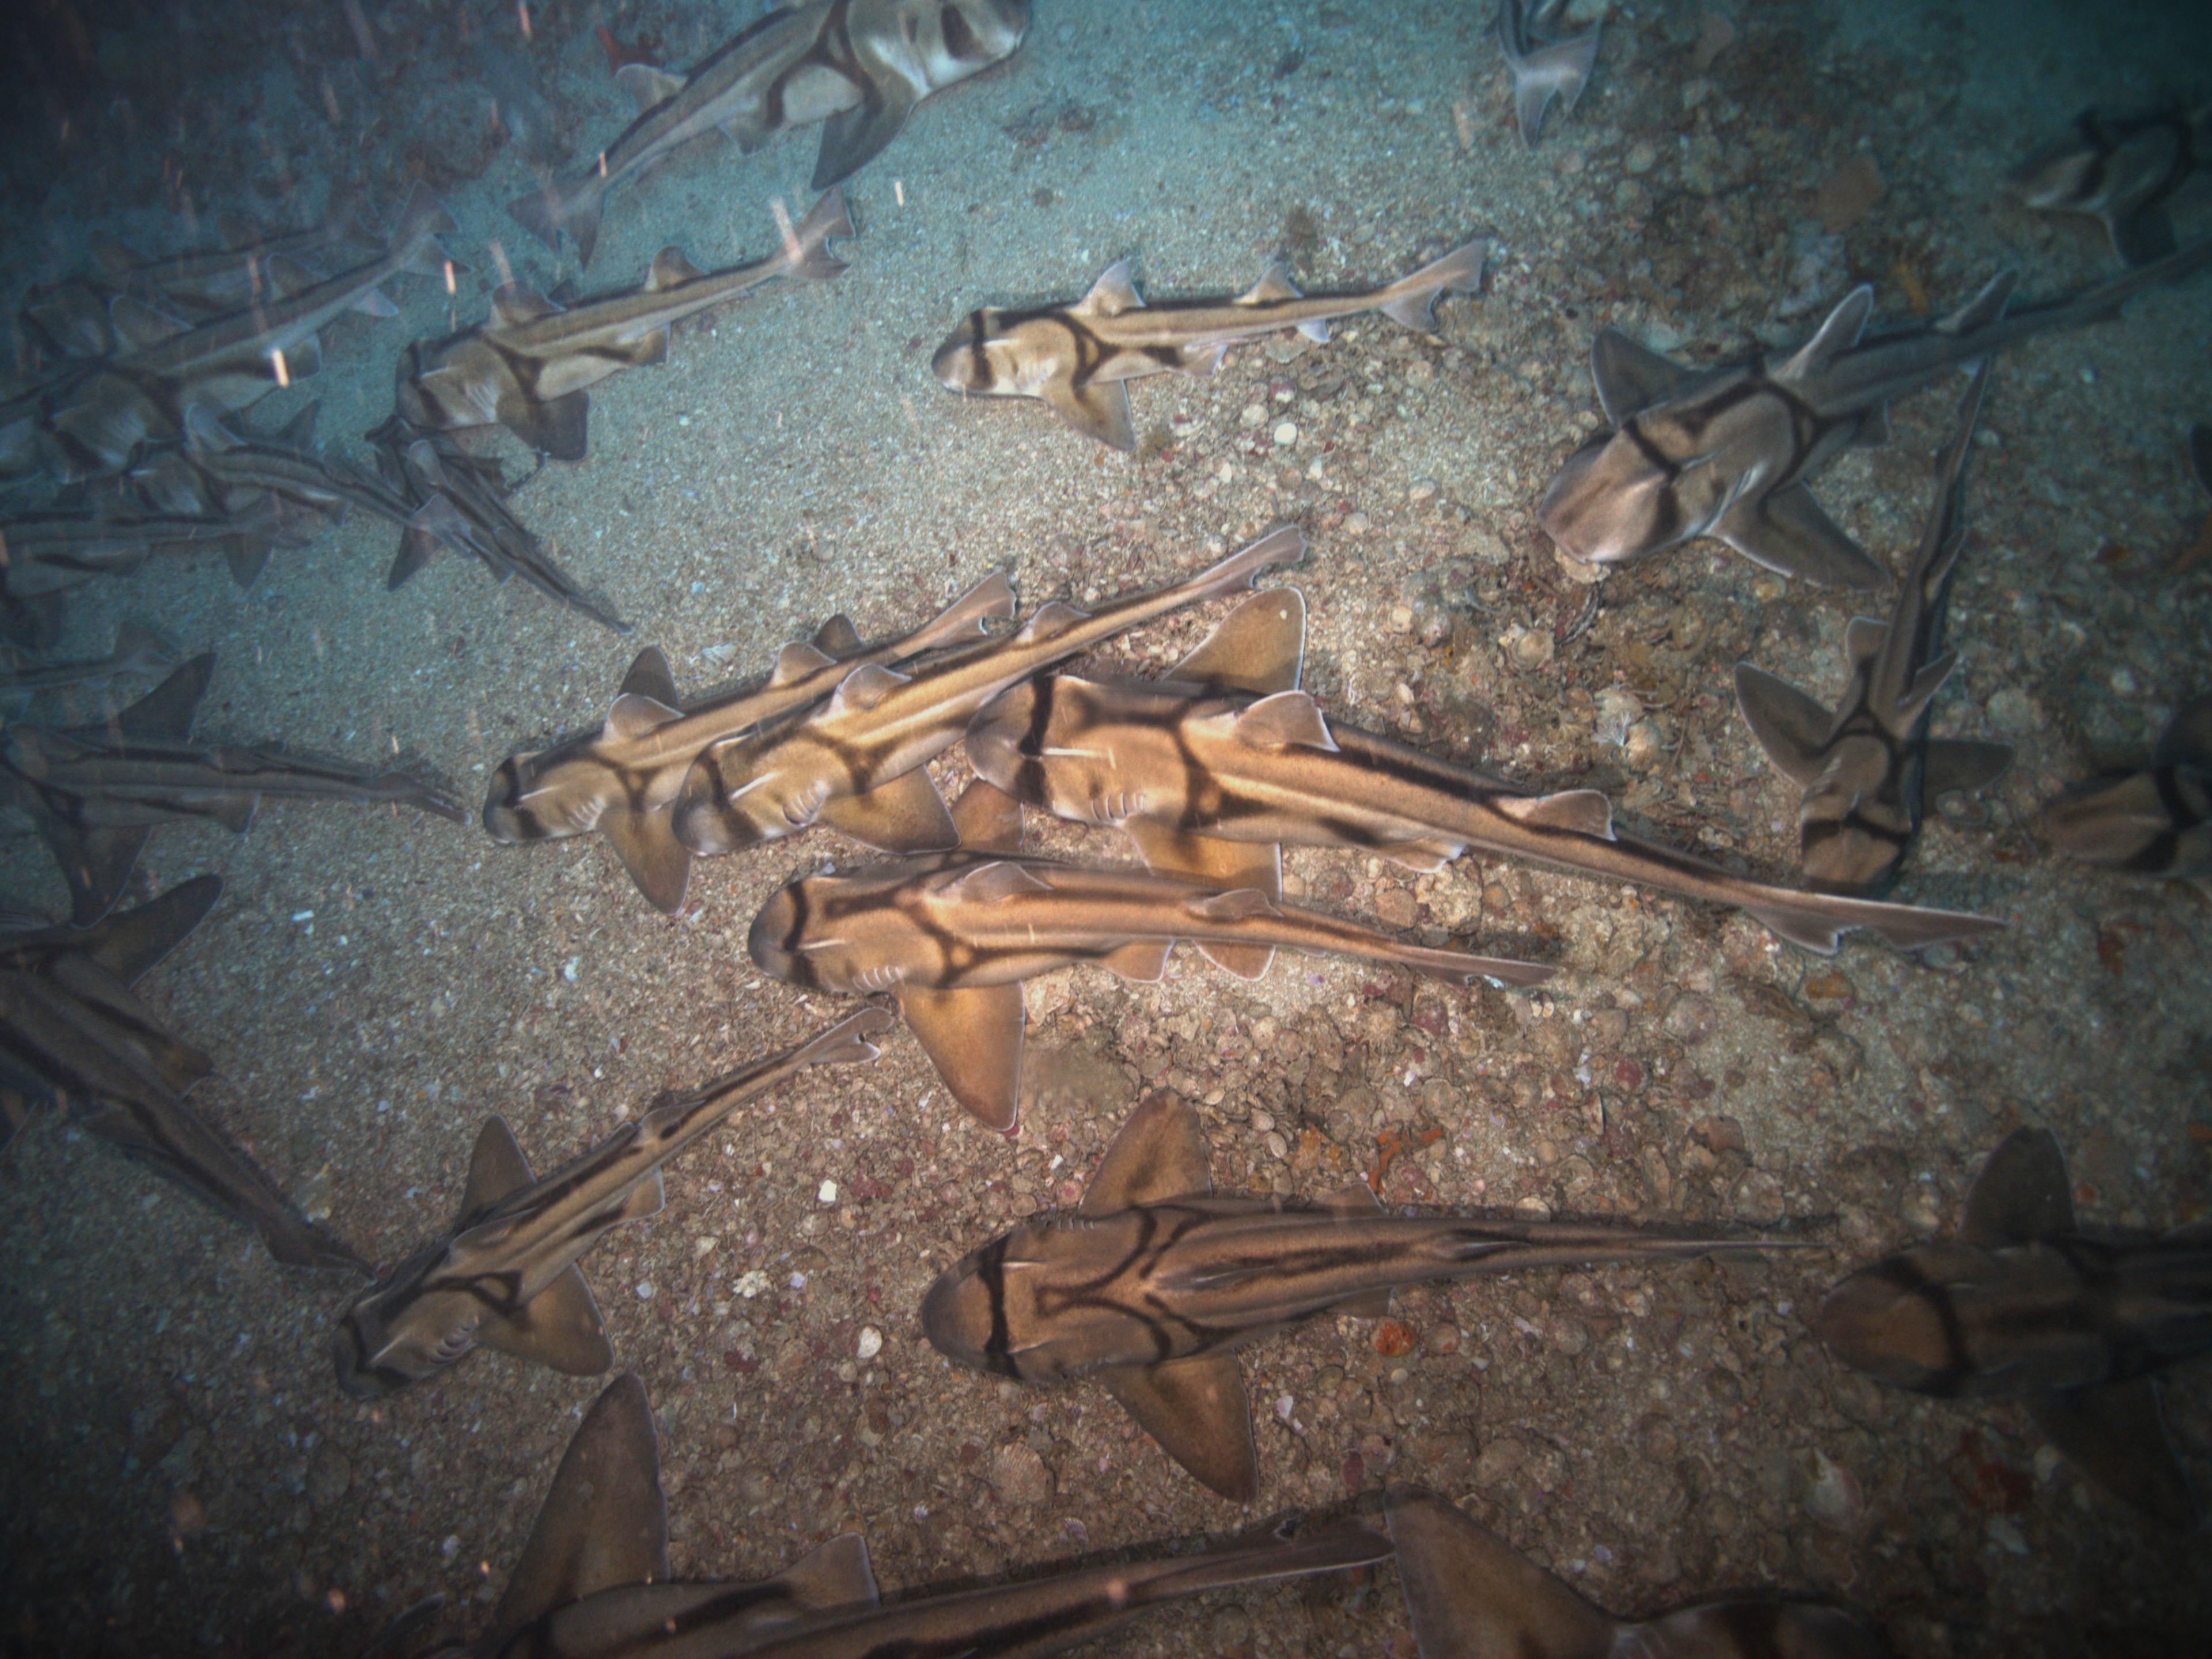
980, 358
1883, 1321
509, 816
1031, 742
397, 1333
1616, 501
1851, 835
963, 1313
777, 940
955, 40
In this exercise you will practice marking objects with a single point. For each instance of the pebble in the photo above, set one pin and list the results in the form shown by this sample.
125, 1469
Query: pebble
1690, 1020
871, 1343
1758, 1199
1644, 742
1254, 417
1642, 157
1019, 1477
1286, 433
1423, 489
1834, 1497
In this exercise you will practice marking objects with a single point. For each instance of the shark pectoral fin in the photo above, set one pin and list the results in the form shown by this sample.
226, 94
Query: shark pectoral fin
129, 944
418, 545
2116, 1434
247, 553
1786, 532
835, 1575
559, 1328
1315, 329
1581, 812
838, 638
1259, 647
1201, 362
1790, 724
988, 819
649, 676
659, 864
974, 1038
497, 1167
1470, 1597
1630, 376
95, 863
1838, 332
646, 1199
1965, 763
1097, 410
558, 427
1158, 1153
906, 815
852, 137
864, 688
2021, 1194
1143, 962
605, 1523
647, 351
234, 813
2142, 238
797, 660
1114, 293
166, 713
1197, 1410
1285, 719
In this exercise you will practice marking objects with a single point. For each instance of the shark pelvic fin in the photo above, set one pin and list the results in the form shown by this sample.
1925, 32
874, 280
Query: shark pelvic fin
497, 1167
1142, 962
1470, 1594
835, 1575
659, 864
1097, 410
974, 1038
2116, 1434
560, 1329
1786, 532
1630, 376
1790, 724
1252, 866
2021, 1194
906, 815
1197, 1410
1159, 1153
605, 1523
166, 713
987, 819
1260, 646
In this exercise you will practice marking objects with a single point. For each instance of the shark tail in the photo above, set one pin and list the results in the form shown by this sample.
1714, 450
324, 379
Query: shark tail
809, 250
548, 211
848, 1041
1411, 302
1460, 968
1818, 922
1284, 1552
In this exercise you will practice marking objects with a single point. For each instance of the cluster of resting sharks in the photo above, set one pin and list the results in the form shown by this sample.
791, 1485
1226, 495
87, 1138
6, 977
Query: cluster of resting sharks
1154, 1283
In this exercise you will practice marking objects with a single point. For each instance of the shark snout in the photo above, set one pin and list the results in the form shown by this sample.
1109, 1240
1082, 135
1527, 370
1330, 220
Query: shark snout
1887, 1326
771, 942
995, 736
963, 363
956, 1317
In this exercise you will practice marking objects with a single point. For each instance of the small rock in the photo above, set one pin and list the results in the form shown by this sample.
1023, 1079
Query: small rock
1834, 1499
1394, 907
1644, 742
1527, 648
1851, 193
1690, 1020
1254, 417
1019, 1477
871, 1343
1758, 1199
1423, 489
329, 1476
1642, 157
1286, 433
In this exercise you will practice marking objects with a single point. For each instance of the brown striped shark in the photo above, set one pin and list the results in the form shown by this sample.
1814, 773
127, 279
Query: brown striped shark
1544, 66
530, 368
253, 262
1154, 1283
951, 936
621, 778
50, 551
505, 1275
1079, 358
594, 1579
74, 1034
1729, 451
2023, 1303
1471, 1596
96, 792
1865, 770
858, 65
2125, 172
140, 653
856, 760
1211, 771
2153, 821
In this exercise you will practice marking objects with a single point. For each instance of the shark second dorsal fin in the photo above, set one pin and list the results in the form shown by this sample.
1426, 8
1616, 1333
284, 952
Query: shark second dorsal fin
605, 1523
1862, 637
864, 688
797, 660
559, 1328
1354, 1198
834, 1575
1114, 293
513, 306
1838, 333
497, 1167
166, 713
633, 715
1000, 882
838, 638
974, 1038
649, 676
670, 269
1470, 1597
905, 816
1984, 308
138, 324
645, 85
1630, 376
987, 819
1240, 905
1260, 646
1286, 719
1582, 812
645, 841
1790, 724
1158, 1154
2116, 1434
1197, 1411
1274, 284
129, 944
1054, 617
2022, 1194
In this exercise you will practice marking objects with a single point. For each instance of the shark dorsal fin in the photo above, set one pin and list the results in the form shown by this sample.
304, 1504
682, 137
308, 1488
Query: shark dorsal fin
166, 713
797, 660
126, 945
633, 715
1632, 376
514, 305
864, 688
1838, 333
1056, 617
1790, 724
646, 85
1926, 684
1584, 811
670, 269
999, 881
2021, 1194
299, 432
1113, 294
1274, 284
139, 323
1984, 308
205, 433
839, 638
1286, 719
1239, 904
605, 1523
974, 1038
989, 819
1158, 1154
497, 1167
1467, 1593
647, 1198
1354, 1198
1259, 647
1197, 1411
835, 1575
1862, 637
559, 1328
649, 676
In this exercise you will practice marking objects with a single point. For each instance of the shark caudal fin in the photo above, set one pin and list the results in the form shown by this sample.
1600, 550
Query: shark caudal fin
551, 208
1412, 300
808, 249
1285, 1550
1818, 922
